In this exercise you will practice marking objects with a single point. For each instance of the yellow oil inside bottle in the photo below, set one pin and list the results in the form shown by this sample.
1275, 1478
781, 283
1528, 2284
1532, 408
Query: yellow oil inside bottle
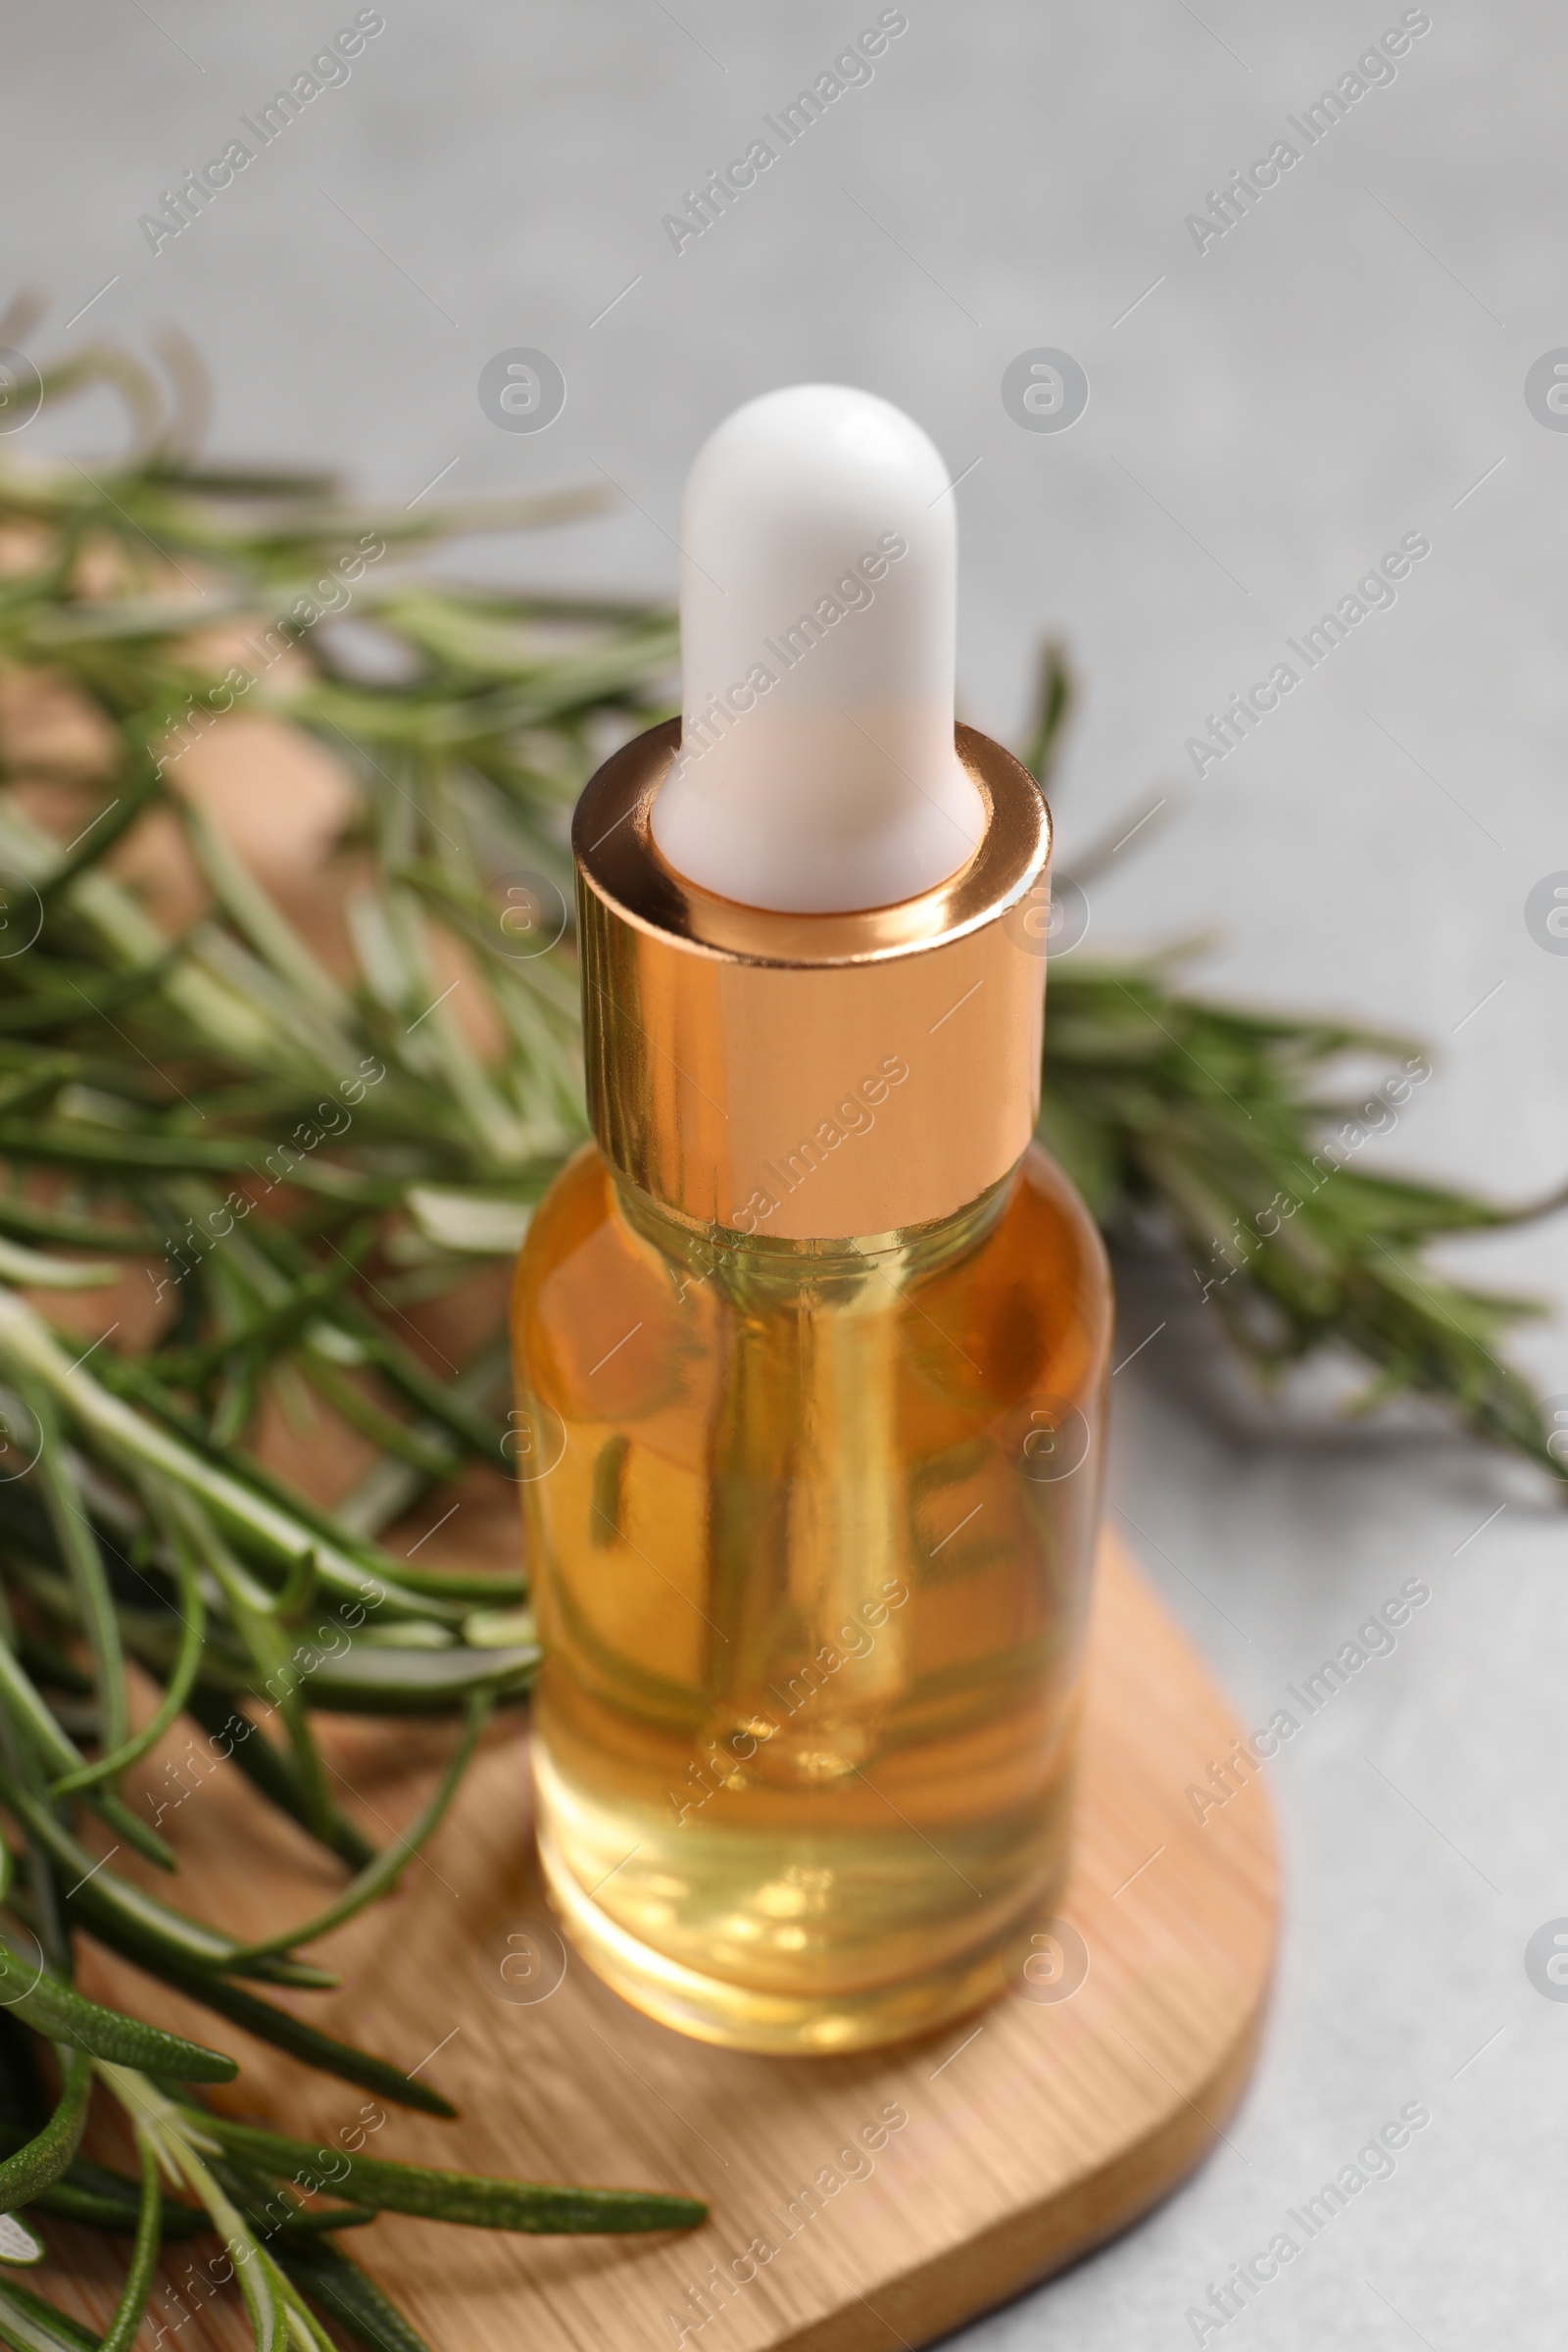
810, 1529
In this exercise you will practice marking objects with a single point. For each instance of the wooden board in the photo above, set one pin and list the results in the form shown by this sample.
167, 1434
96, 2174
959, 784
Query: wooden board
1034, 2130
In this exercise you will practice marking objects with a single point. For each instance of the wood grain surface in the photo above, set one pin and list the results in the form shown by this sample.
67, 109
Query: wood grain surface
1033, 2131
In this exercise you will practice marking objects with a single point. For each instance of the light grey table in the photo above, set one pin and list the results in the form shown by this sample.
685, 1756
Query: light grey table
1267, 416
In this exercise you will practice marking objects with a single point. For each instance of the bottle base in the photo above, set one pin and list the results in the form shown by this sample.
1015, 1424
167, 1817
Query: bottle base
739, 2017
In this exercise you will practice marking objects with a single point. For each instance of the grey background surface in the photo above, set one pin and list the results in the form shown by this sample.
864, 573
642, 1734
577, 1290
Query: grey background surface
1266, 417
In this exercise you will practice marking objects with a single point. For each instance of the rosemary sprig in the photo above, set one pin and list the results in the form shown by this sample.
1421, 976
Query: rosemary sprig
1217, 1128
224, 1106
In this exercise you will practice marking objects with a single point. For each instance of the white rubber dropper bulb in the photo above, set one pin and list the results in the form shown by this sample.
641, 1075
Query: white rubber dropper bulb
816, 771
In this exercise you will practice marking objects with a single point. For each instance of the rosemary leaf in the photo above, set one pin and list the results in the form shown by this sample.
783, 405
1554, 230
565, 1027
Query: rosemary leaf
380, 1876
342, 2290
39, 2163
64, 2016
126, 2321
31, 2324
481, 2201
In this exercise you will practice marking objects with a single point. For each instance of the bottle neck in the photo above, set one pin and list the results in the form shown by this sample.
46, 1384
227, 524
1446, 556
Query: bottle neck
766, 1271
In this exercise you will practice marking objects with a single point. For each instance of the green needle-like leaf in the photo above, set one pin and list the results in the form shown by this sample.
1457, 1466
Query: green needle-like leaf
41, 2161
63, 2015
124, 2326
476, 2199
31, 2324
136, 1444
380, 1876
340, 2290
192, 1612
97, 2198
274, 2210
78, 1549
272, 1773
285, 2031
118, 1909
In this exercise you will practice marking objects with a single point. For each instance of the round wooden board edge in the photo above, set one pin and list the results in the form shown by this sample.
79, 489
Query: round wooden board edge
1023, 2250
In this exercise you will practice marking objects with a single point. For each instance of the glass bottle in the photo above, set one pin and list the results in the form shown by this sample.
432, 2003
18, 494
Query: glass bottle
809, 1514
